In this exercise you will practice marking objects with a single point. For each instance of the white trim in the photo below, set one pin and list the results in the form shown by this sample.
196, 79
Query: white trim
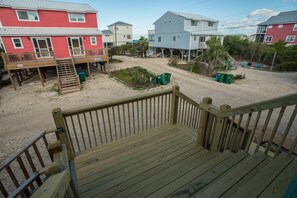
39, 47
14, 43
265, 38
28, 16
95, 40
295, 27
280, 26
1, 41
290, 36
76, 17
270, 26
76, 37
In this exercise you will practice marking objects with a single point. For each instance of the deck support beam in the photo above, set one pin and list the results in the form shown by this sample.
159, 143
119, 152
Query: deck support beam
189, 55
11, 79
40, 76
88, 68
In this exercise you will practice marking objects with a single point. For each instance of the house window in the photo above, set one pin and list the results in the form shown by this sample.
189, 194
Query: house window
159, 39
128, 36
42, 47
268, 38
290, 38
17, 43
295, 27
174, 38
194, 23
76, 17
195, 38
280, 26
202, 38
0, 24
93, 40
270, 26
1, 43
210, 24
24, 15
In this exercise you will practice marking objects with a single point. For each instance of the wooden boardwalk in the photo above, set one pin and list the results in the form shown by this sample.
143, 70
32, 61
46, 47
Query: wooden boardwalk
167, 162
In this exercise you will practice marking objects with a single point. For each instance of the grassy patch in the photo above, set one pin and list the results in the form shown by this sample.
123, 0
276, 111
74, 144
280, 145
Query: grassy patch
136, 77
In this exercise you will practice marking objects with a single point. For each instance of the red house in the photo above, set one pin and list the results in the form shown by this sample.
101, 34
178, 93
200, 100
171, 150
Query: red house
45, 32
280, 27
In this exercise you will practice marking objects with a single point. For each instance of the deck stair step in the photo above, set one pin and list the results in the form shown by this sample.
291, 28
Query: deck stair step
67, 76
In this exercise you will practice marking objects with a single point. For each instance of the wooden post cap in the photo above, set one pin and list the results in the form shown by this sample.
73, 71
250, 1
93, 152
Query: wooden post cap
175, 87
224, 107
207, 100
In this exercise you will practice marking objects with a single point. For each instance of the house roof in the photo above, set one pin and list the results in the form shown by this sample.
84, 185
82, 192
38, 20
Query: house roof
5, 31
197, 17
106, 32
207, 32
47, 5
282, 18
120, 23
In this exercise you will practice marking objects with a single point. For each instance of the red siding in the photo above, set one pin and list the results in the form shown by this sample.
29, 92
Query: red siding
9, 17
87, 42
60, 46
27, 44
281, 33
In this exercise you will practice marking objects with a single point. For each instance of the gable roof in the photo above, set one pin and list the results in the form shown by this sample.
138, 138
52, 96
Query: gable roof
120, 23
282, 18
47, 5
196, 17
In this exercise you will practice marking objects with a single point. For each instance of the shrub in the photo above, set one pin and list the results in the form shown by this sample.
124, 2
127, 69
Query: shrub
173, 61
239, 76
288, 66
195, 67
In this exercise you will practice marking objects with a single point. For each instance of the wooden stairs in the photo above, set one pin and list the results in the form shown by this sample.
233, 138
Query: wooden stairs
68, 79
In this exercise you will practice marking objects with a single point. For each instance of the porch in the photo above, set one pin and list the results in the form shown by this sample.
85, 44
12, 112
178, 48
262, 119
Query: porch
162, 144
14, 63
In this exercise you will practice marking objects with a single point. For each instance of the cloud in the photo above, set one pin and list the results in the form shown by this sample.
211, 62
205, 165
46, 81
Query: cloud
248, 24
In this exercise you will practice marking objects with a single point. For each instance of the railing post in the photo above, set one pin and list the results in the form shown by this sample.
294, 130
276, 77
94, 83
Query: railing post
203, 121
219, 129
174, 105
63, 136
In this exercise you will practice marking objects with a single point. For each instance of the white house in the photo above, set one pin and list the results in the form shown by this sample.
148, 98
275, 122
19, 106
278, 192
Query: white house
118, 34
182, 33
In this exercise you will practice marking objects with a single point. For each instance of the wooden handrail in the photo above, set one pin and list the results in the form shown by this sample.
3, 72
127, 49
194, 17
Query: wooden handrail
282, 101
114, 103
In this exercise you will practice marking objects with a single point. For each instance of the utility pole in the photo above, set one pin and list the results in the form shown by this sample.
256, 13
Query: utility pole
115, 33
273, 61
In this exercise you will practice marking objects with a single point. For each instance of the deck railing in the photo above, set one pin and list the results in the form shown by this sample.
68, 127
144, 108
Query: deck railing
99, 124
265, 124
27, 57
76, 53
20, 175
260, 125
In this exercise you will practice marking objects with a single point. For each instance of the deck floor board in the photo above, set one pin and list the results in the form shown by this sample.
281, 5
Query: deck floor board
167, 162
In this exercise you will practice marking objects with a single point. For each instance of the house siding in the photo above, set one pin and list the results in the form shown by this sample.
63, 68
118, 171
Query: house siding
9, 47
8, 17
281, 33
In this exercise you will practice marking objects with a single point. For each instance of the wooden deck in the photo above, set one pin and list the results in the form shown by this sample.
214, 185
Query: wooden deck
167, 162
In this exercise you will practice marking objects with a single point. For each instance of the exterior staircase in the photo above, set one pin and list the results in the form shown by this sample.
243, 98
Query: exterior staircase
68, 79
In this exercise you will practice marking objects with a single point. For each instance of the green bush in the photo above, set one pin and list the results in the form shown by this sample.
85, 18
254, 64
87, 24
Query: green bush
173, 61
195, 67
289, 66
1, 61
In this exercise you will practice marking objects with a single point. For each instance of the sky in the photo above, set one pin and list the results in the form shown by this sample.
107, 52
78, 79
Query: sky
245, 14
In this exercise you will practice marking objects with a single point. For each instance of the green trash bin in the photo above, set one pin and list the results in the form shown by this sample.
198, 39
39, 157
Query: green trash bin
164, 78
82, 76
229, 78
222, 78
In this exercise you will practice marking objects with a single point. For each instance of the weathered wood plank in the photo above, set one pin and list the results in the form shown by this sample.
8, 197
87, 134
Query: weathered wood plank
189, 176
264, 177
203, 180
280, 184
125, 181
219, 186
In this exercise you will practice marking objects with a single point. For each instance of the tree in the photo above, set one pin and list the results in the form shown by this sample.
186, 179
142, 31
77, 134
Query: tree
143, 45
1, 61
215, 53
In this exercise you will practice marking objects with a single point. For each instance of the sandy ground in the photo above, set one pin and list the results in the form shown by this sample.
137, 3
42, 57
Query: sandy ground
27, 111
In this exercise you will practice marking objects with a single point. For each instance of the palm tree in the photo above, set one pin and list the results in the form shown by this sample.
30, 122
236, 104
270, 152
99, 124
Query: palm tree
143, 45
216, 53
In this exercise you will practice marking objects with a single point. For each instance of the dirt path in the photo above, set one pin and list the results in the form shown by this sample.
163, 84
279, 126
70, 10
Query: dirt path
27, 111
